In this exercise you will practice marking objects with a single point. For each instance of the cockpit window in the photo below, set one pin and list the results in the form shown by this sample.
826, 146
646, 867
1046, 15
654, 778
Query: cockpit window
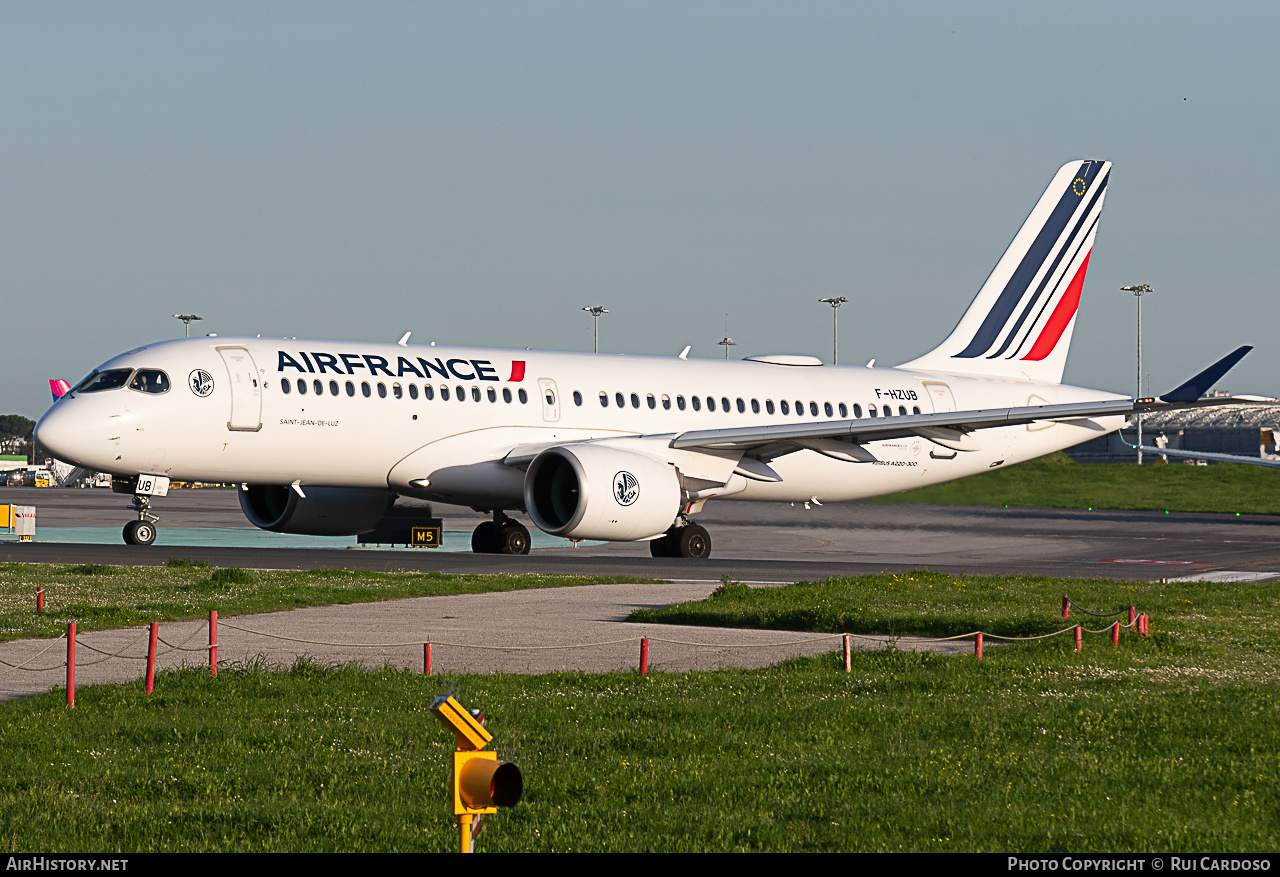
111, 379
150, 380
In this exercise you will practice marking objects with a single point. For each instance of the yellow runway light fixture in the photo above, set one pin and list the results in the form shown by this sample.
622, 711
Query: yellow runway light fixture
479, 783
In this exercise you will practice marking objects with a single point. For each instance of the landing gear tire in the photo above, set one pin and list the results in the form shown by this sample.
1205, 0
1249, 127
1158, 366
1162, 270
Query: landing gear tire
139, 533
484, 539
513, 538
694, 542
662, 546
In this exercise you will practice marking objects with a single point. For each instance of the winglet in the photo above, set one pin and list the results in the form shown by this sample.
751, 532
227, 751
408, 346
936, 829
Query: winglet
1200, 384
58, 387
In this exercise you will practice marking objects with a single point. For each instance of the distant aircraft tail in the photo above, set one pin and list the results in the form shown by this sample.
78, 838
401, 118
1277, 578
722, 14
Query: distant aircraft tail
1020, 323
58, 387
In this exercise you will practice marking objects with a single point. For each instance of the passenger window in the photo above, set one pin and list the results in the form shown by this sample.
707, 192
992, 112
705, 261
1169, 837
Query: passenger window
902, 410
444, 393
768, 406
284, 385
460, 393
333, 388
857, 410
524, 397
302, 387
604, 399
413, 391
871, 410
786, 409
506, 394
382, 390
742, 407
317, 387
551, 398
364, 388
799, 408
351, 388
844, 411
397, 391
666, 402
826, 406
577, 398
635, 401
493, 395
428, 391
915, 409
755, 406
150, 380
724, 403
475, 394
680, 402
711, 403
653, 403
697, 403
617, 397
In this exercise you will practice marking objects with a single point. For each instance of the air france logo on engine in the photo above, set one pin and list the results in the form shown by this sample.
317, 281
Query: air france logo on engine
200, 382
626, 488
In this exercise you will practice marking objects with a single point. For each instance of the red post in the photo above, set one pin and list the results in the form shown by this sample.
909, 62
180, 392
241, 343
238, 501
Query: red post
1146, 624
977, 644
39, 599
151, 658
1066, 606
848, 653
644, 656
1132, 615
213, 642
1078, 637
1115, 633
71, 664
426, 659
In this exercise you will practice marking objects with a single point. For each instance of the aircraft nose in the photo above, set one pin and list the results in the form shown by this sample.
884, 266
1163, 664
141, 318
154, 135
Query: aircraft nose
69, 437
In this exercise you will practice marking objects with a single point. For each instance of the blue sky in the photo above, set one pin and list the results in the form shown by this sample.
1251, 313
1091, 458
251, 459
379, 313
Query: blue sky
477, 172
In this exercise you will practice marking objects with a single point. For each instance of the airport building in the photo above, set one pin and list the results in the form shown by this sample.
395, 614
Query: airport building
1246, 430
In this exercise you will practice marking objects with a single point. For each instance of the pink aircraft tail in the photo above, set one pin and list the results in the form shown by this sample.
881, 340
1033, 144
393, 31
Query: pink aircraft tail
58, 387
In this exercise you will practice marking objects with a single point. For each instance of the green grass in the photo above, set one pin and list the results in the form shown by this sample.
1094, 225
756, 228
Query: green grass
1164, 744
99, 597
1056, 481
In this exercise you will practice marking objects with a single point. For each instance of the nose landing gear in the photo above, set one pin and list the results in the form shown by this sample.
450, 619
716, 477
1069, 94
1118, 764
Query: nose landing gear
143, 530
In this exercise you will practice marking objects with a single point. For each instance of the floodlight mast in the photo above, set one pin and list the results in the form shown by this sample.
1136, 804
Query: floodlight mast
726, 342
1138, 293
187, 319
595, 311
835, 325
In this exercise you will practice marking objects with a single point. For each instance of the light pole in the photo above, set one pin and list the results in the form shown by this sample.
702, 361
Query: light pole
186, 322
726, 342
1138, 293
595, 311
835, 326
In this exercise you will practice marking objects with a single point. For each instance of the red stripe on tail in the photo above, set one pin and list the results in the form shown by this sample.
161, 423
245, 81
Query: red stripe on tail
1061, 317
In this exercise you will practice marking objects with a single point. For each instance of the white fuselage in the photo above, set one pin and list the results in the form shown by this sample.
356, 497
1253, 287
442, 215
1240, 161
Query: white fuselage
395, 422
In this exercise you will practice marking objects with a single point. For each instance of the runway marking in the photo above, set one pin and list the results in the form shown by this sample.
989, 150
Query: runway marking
1128, 560
1225, 575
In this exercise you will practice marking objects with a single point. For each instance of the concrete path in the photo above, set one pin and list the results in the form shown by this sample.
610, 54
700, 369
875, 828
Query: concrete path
539, 631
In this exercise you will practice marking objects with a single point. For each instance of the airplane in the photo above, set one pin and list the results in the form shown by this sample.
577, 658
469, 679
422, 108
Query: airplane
324, 436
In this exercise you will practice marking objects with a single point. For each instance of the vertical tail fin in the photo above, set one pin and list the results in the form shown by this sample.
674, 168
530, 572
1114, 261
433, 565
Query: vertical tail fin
1020, 323
58, 387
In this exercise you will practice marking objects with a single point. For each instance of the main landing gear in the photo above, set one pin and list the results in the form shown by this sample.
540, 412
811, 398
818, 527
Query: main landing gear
143, 530
688, 540
502, 535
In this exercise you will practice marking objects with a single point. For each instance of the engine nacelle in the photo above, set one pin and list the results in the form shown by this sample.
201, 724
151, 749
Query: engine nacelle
326, 511
591, 491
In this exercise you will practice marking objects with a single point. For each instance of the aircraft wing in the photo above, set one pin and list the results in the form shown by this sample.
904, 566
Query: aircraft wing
1217, 458
951, 429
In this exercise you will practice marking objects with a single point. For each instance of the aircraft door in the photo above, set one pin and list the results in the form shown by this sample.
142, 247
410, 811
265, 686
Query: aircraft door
246, 389
550, 400
942, 399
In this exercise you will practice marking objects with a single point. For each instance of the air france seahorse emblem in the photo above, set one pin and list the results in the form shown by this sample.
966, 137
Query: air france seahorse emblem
201, 382
626, 488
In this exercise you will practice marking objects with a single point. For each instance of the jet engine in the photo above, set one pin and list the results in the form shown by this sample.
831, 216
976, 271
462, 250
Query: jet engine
591, 491
325, 511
